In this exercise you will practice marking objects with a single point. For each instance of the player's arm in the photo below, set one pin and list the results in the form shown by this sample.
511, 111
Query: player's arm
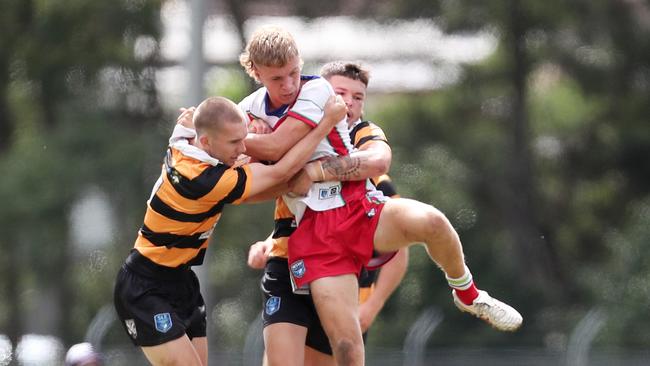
269, 176
371, 161
390, 276
272, 146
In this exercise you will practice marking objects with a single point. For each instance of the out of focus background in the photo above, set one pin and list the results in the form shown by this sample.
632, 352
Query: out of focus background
526, 122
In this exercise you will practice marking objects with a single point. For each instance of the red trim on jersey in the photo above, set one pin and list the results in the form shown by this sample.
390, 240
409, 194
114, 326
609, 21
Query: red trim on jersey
302, 118
337, 142
333, 137
279, 122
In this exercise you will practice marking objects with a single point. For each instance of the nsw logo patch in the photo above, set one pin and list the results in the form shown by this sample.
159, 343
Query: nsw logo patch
163, 322
298, 268
272, 305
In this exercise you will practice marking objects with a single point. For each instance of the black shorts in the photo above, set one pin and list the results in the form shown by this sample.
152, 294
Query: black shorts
281, 305
157, 304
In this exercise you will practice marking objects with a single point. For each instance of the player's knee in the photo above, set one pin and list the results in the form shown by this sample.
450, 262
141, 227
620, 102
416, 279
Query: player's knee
347, 351
435, 222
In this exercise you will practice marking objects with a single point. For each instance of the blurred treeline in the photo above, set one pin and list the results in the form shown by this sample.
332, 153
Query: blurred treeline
539, 156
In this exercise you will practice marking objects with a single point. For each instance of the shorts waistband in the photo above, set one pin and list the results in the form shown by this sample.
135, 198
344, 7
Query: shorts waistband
144, 266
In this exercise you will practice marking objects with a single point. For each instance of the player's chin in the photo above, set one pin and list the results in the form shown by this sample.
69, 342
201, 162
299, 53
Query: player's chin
288, 98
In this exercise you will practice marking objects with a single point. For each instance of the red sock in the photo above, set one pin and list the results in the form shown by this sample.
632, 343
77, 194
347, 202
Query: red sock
467, 295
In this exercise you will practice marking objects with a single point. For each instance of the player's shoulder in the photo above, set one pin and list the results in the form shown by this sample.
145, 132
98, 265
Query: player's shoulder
364, 125
372, 126
315, 85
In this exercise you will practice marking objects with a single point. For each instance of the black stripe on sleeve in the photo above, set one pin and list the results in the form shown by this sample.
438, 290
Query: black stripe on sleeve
368, 138
357, 128
284, 227
238, 189
198, 259
164, 209
172, 240
197, 187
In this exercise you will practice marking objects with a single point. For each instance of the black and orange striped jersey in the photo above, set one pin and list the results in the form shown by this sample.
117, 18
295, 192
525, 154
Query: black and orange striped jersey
185, 205
361, 133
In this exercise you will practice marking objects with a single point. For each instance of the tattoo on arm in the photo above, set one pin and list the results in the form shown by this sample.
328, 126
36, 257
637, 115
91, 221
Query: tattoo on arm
344, 168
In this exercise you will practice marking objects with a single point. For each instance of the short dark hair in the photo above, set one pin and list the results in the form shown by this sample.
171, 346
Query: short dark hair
215, 111
348, 69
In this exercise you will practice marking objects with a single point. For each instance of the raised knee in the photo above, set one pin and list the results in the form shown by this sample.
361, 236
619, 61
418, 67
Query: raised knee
436, 221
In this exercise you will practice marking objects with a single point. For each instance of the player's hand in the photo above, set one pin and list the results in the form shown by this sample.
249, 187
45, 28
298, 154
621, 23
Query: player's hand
259, 126
335, 109
299, 184
185, 118
242, 159
367, 313
258, 254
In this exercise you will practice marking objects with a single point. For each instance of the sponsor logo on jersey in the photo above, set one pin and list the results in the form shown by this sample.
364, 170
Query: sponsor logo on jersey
272, 305
298, 268
130, 328
329, 192
163, 322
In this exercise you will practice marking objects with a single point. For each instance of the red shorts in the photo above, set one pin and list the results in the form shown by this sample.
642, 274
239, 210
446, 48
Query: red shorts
337, 241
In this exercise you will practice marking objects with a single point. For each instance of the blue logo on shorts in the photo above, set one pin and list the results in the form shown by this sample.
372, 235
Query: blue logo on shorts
272, 305
298, 269
163, 322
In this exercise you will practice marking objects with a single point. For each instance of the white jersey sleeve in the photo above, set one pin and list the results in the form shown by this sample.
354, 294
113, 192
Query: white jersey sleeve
310, 104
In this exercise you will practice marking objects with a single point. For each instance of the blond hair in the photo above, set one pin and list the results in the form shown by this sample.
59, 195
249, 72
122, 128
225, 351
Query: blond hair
268, 46
215, 111
349, 69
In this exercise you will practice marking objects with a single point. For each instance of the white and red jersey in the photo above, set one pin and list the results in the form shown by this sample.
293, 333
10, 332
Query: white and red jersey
308, 108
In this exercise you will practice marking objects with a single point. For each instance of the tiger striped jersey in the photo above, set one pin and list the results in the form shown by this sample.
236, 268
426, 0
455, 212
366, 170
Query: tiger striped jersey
186, 203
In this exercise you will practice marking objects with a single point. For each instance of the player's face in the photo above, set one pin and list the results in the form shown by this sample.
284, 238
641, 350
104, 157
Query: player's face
353, 93
282, 82
227, 143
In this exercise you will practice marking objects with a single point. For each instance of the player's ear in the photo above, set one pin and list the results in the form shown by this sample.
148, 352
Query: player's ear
256, 72
204, 140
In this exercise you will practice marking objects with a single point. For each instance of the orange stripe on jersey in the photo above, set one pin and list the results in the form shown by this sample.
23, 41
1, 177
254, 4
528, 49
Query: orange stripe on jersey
281, 209
285, 224
366, 131
185, 207
365, 292
280, 247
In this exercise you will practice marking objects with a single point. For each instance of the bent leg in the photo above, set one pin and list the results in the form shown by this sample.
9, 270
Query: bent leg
179, 352
336, 299
284, 344
404, 222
